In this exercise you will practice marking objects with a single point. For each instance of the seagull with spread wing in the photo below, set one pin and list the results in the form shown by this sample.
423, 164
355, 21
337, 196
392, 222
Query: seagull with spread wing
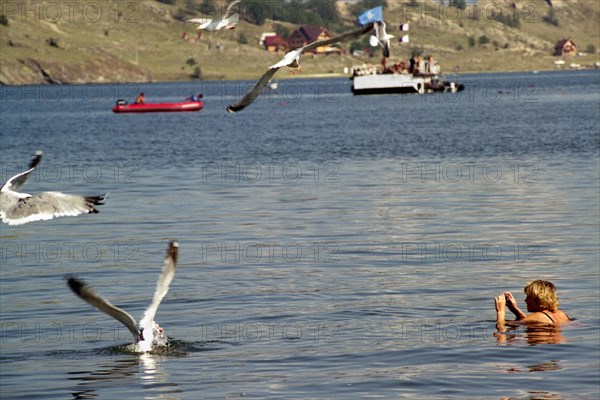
20, 208
226, 20
381, 38
292, 60
147, 334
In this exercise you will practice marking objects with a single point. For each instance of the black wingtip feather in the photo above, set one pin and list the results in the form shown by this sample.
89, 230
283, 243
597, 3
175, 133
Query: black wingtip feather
173, 250
96, 201
36, 159
75, 284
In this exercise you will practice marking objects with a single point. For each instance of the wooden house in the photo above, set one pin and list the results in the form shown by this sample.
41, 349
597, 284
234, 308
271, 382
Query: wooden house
565, 47
308, 34
275, 44
263, 36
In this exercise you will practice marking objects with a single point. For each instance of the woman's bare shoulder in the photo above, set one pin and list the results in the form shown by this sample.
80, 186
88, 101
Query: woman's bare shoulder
537, 318
563, 318
556, 317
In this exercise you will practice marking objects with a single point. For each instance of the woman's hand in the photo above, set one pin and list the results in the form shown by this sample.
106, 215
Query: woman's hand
500, 302
511, 303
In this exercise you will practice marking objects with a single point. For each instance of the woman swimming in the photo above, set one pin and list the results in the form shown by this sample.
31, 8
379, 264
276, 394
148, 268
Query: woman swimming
541, 300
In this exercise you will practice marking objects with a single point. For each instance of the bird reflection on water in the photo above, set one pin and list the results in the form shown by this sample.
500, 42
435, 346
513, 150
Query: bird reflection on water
146, 365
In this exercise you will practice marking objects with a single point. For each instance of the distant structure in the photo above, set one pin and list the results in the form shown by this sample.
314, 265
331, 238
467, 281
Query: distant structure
565, 47
308, 34
275, 44
264, 35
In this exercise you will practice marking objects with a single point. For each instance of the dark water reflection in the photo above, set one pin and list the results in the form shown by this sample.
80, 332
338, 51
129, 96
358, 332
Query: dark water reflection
531, 335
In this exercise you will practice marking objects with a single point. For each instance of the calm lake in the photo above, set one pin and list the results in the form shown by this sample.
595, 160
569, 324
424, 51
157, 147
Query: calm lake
331, 245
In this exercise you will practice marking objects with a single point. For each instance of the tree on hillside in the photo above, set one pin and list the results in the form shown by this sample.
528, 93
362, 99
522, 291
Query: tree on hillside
551, 18
282, 30
242, 39
483, 40
590, 49
460, 4
326, 10
197, 74
297, 12
259, 11
208, 7
511, 21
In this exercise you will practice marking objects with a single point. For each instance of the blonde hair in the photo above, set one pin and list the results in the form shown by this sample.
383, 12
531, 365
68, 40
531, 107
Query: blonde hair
543, 293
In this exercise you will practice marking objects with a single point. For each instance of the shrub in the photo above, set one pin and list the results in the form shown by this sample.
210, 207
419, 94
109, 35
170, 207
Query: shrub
197, 74
507, 20
550, 18
483, 40
53, 42
191, 61
4, 20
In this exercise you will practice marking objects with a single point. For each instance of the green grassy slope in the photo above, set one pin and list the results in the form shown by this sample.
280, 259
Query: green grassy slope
109, 41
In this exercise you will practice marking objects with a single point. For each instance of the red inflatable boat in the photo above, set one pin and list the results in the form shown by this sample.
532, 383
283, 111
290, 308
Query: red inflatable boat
124, 107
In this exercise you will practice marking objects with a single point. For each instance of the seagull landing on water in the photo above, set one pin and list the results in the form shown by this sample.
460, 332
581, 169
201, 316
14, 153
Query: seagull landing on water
20, 208
148, 334
292, 60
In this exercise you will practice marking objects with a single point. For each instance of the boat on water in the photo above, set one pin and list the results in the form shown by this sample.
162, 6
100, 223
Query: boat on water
123, 107
419, 77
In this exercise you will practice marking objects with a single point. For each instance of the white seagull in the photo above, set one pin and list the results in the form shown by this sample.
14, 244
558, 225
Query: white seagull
20, 208
292, 60
381, 38
226, 20
148, 334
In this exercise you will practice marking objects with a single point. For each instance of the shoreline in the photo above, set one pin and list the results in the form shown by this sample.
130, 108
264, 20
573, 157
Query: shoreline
298, 76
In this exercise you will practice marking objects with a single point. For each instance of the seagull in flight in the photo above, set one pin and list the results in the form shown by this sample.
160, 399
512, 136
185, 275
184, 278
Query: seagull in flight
381, 38
226, 20
292, 60
20, 208
147, 334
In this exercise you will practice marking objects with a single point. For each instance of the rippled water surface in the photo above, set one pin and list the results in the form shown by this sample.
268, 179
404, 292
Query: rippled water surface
331, 246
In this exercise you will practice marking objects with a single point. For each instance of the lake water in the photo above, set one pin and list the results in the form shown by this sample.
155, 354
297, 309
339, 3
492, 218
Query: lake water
331, 246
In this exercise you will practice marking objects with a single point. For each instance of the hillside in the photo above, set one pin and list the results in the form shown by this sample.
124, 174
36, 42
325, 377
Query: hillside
126, 41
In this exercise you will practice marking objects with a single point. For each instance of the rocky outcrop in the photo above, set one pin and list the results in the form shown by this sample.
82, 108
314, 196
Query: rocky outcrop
39, 71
